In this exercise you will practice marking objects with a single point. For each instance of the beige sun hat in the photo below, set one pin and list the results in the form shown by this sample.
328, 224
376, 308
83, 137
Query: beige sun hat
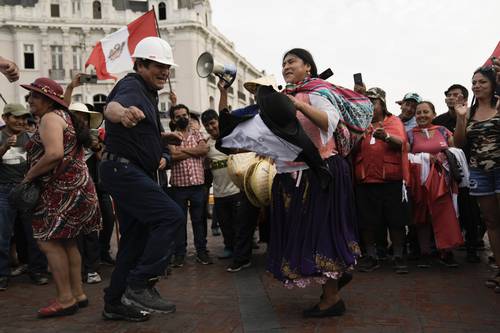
268, 80
258, 182
96, 118
237, 166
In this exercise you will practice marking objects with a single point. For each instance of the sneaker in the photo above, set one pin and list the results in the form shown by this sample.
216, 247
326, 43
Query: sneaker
216, 231
369, 264
203, 258
226, 254
124, 312
238, 266
39, 279
107, 260
178, 261
92, 278
399, 265
19, 270
147, 299
448, 260
4, 283
424, 261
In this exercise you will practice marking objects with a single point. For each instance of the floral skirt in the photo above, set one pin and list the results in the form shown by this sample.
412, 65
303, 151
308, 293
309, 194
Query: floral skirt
313, 230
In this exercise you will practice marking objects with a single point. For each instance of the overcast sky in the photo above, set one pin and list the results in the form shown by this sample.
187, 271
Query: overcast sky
399, 45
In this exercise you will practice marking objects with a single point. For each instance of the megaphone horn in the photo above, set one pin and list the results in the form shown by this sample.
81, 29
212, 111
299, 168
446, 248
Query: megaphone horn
206, 65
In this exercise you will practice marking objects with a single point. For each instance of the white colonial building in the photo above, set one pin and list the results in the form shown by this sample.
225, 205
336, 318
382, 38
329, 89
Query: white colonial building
54, 38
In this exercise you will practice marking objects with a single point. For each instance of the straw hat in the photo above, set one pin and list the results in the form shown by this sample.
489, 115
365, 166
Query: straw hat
95, 117
268, 80
258, 182
237, 166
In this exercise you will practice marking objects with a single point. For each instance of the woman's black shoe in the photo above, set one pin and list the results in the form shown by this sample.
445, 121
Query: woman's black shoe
344, 280
336, 309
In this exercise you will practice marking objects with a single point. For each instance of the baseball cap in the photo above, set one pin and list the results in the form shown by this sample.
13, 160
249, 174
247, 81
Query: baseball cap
376, 93
15, 109
411, 95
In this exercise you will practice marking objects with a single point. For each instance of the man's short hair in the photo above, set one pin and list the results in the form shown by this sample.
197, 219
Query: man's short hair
464, 90
208, 115
144, 62
175, 108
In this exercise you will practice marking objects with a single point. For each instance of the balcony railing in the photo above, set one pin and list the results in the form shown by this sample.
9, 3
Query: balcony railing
56, 74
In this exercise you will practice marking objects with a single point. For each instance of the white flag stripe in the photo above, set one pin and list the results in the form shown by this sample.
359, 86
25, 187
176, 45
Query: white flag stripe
116, 53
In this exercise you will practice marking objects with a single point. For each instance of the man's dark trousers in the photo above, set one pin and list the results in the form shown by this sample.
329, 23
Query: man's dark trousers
245, 225
148, 220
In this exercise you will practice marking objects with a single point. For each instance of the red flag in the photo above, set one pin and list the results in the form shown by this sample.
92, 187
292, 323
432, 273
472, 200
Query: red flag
112, 54
495, 54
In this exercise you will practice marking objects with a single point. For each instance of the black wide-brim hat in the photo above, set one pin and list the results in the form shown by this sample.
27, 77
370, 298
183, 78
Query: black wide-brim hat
280, 116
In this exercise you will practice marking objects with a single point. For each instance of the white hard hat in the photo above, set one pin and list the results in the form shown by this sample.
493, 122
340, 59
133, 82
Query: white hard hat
156, 49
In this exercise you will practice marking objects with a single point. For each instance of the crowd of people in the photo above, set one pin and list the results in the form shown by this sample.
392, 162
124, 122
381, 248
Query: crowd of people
413, 188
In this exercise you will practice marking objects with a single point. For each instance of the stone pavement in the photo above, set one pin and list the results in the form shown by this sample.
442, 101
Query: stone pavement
211, 300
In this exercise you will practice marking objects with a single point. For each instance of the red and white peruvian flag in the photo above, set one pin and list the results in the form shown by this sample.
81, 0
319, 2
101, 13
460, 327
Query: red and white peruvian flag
112, 54
496, 54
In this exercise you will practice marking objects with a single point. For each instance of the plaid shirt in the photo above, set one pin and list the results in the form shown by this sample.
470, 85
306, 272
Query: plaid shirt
189, 172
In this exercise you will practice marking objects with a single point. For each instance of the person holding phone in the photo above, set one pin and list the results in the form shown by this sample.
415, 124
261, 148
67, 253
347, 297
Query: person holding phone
89, 244
380, 189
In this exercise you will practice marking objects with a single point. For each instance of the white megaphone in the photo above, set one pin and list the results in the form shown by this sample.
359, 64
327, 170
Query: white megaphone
206, 65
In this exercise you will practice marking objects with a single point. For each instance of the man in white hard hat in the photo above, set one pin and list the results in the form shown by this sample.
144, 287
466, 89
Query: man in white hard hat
135, 149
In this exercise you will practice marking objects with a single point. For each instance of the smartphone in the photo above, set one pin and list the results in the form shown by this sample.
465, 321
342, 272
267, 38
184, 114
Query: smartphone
358, 79
88, 78
326, 74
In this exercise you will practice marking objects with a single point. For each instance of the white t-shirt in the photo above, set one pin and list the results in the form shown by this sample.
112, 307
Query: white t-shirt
223, 186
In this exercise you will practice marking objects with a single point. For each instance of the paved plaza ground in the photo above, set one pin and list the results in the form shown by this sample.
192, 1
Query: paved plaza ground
211, 300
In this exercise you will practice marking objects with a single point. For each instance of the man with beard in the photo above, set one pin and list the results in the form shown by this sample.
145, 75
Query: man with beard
187, 180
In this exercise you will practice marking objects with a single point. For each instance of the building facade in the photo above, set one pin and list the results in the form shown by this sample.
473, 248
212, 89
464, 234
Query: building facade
54, 38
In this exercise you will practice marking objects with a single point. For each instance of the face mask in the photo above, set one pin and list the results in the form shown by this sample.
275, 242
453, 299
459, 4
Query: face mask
182, 123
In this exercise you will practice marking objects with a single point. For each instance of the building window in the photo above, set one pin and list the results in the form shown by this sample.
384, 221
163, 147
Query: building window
96, 7
77, 98
76, 5
77, 58
162, 11
99, 102
54, 10
56, 53
29, 56
211, 102
230, 90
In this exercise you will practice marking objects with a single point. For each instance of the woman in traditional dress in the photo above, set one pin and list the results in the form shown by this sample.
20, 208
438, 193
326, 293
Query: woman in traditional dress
312, 236
68, 203
478, 130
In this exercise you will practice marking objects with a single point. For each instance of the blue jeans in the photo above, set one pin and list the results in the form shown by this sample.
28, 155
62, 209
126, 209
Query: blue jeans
148, 220
195, 196
37, 262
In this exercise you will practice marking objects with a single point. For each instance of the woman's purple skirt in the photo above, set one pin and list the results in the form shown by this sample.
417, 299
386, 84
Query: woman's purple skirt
313, 231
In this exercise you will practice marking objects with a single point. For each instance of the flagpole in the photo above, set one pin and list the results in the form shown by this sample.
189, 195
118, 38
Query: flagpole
159, 35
